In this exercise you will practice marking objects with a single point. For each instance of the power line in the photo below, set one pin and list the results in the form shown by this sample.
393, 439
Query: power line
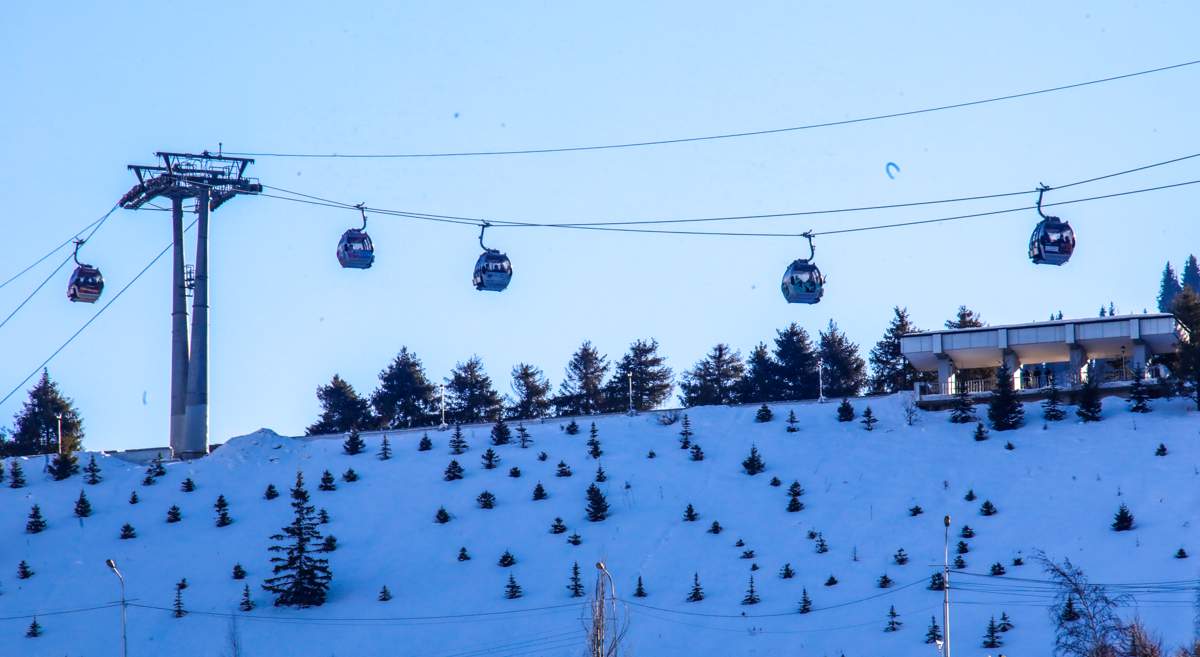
303, 620
61, 612
729, 135
91, 319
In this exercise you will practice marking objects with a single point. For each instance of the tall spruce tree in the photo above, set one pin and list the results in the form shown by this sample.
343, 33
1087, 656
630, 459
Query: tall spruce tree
890, 370
646, 369
531, 393
91, 471
1168, 289
761, 380
1052, 410
795, 361
964, 318
582, 388
1187, 365
1191, 274
470, 395
501, 434
405, 396
35, 428
843, 370
299, 579
714, 380
1004, 409
16, 475
341, 409
597, 505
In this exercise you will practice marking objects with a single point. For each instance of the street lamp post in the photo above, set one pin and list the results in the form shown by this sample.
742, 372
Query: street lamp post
629, 376
820, 381
442, 391
946, 586
58, 416
124, 639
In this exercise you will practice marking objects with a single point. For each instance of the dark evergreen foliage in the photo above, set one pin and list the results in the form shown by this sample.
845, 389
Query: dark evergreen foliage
893, 623
299, 579
1052, 410
34, 630
36, 522
385, 449
764, 414
967, 532
884, 582
753, 464
35, 427
822, 546
507, 560
1168, 289
775, 482
845, 411
786, 572
1088, 400
523, 438
964, 318
792, 422
792, 374
1005, 623
1122, 521
490, 459
934, 633
350, 476
514, 472
174, 514
715, 528
539, 493
575, 583
512, 590
177, 609
751, 597
640, 590
187, 485
963, 410
869, 420
937, 582
501, 434
572, 428
24, 571
271, 492
453, 471
960, 563
458, 444
463, 555
127, 532
962, 547
563, 470
486, 500
1139, 396
1004, 409
597, 505
531, 390
238, 571
63, 465
470, 397
1161, 451
83, 508
405, 396
997, 569
991, 638
981, 433
644, 368
246, 604
354, 443
341, 409
582, 389
697, 593
714, 380
133, 497
1191, 274
557, 527
843, 370
425, 444
327, 482
601, 476
442, 516
915, 510
970, 496
689, 514
890, 370
222, 508
697, 452
1181, 554
900, 558
329, 544
988, 509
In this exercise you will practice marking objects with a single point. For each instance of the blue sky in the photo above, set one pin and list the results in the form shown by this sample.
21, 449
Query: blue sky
91, 88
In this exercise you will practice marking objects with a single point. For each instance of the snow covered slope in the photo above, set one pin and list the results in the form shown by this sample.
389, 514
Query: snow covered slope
1056, 491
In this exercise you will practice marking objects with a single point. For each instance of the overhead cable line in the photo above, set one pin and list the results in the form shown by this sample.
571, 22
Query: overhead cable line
93, 318
377, 619
728, 135
58, 248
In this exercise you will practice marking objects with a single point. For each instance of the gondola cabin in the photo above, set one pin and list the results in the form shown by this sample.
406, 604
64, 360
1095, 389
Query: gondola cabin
802, 282
86, 284
355, 251
1052, 242
493, 271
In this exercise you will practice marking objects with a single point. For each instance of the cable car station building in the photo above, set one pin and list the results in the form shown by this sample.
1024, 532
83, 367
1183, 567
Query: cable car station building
1065, 351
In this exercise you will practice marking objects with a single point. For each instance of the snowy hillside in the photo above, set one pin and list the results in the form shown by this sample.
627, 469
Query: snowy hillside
1056, 491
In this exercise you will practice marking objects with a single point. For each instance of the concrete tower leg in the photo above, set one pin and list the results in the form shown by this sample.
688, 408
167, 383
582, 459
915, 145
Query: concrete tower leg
197, 386
1014, 367
179, 333
946, 375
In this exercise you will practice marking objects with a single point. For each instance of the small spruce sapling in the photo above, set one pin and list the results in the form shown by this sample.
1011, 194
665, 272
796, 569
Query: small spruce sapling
884, 582
997, 569
490, 459
174, 514
350, 476
327, 482
991, 638
463, 555
640, 590
786, 572
962, 548
523, 438
987, 508
1161, 451
751, 597
697, 452
981, 433
486, 500
775, 482
1139, 396
805, 601
539, 492
353, 444
574, 539
963, 410
572, 428
133, 497
91, 471
16, 475
601, 476
832, 581
557, 527
893, 623
764, 414
514, 472
222, 508
36, 523
512, 590
689, 514
330, 544
442, 516
967, 532
792, 422
453, 472
271, 492
1005, 623
384, 594
563, 470
822, 546
35, 629
385, 450
323, 516
901, 557
24, 571
1052, 410
575, 582
501, 434
697, 593
127, 532
458, 444
970, 496
915, 510
1181, 554
507, 560
246, 604
934, 633
83, 508
597, 505
845, 411
1123, 520
238, 571
937, 582
753, 464
960, 563
869, 420
425, 444
715, 528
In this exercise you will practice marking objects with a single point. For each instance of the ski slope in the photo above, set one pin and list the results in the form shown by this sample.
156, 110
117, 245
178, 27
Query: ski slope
1056, 491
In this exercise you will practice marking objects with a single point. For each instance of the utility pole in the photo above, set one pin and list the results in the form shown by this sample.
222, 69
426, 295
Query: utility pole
604, 640
820, 380
58, 416
211, 180
946, 588
124, 640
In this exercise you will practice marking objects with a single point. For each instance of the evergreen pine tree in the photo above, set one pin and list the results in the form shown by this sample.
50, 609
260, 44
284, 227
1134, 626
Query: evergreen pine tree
1191, 274
127, 532
1069, 613
601, 476
1181, 554
832, 581
753, 464
470, 397
901, 557
764, 414
697, 452
884, 582
981, 433
299, 578
238, 571
792, 372
893, 623
1122, 521
425, 444
643, 369
246, 604
970, 496
890, 370
507, 560
576, 584
35, 629
572, 428
514, 472
991, 638
385, 450
822, 546
458, 444
775, 482
133, 497
187, 485
35, 429
751, 597
967, 532
1052, 407
988, 509
1138, 394
222, 508
962, 548
453, 471
384, 594
869, 420
1168, 289
329, 544
404, 397
174, 514
177, 609
1089, 409
16, 475
462, 554
964, 318
715, 528
697, 593
354, 443
532, 393
486, 500
341, 409
1004, 409
490, 459
963, 410
843, 370
501, 434
512, 590
24, 571
794, 504
689, 514
786, 572
557, 527
1005, 623
322, 517
83, 508
997, 569
63, 465
685, 432
523, 438
271, 492
327, 482
593, 444
442, 516
934, 633
715, 380
539, 493
937, 582
563, 470
582, 389
640, 590
597, 505
36, 522
792, 422
805, 601
960, 563
1161, 451
845, 411
157, 469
